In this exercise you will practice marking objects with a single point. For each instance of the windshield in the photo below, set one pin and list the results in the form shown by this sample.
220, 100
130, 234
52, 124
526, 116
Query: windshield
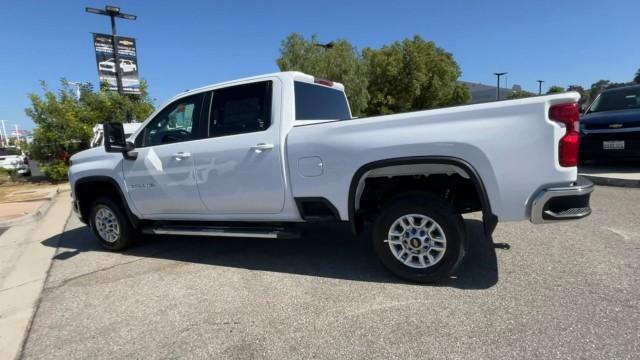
621, 99
316, 102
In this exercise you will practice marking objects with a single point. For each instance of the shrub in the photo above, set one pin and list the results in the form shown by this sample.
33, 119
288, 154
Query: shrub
56, 171
8, 175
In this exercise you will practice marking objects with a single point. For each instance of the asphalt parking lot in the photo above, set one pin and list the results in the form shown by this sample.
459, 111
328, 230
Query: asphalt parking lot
561, 291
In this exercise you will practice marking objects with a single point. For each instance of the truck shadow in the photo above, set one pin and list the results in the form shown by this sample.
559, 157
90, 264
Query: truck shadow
325, 250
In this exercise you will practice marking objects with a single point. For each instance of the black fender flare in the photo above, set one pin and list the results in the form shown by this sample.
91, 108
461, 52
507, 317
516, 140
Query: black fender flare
135, 221
489, 219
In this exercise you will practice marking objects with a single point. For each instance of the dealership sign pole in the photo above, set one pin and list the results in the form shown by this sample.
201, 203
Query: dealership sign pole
114, 41
113, 12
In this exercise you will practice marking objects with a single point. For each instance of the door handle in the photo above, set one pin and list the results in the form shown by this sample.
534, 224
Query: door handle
262, 147
181, 155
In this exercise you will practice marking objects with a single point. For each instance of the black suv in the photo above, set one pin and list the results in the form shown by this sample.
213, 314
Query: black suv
610, 128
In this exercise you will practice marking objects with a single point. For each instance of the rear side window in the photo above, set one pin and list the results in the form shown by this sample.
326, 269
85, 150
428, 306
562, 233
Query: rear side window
317, 102
241, 109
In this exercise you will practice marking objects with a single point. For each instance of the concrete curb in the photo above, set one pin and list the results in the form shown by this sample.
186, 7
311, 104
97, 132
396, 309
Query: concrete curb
610, 181
39, 213
29, 265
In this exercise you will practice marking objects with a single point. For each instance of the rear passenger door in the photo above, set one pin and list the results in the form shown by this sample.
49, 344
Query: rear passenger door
239, 165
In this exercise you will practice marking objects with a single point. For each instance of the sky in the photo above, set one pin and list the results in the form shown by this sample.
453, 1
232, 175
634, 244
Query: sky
187, 44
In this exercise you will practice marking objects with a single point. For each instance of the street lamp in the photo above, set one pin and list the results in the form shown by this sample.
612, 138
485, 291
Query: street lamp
540, 86
326, 46
77, 84
498, 74
113, 12
5, 139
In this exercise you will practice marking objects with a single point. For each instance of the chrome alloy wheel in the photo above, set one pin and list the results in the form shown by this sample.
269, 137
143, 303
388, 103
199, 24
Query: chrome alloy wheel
417, 241
107, 225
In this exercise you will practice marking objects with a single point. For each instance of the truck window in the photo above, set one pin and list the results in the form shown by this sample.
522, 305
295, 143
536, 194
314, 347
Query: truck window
175, 123
317, 102
240, 109
8, 152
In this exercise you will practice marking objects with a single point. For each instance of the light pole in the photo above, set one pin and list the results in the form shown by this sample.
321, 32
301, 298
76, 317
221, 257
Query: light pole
113, 12
498, 74
3, 134
77, 84
5, 138
326, 46
540, 86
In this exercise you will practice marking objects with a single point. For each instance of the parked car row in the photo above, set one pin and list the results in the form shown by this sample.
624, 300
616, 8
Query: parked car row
610, 127
14, 159
98, 133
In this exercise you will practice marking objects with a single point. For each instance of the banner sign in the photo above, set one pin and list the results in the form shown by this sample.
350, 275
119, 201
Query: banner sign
107, 63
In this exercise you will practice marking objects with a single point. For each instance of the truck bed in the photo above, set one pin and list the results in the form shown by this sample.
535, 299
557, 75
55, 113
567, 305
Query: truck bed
511, 144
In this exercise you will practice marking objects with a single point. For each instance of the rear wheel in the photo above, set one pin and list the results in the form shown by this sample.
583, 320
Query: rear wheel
419, 237
110, 225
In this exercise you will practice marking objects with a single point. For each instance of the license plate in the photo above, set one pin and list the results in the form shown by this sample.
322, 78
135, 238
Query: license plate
613, 145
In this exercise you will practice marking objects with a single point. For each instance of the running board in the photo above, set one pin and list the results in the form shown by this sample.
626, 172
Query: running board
261, 233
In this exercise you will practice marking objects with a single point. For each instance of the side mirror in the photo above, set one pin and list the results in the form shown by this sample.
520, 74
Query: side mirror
583, 109
114, 139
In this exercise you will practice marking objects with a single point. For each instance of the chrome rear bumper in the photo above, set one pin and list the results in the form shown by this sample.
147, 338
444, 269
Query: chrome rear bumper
562, 203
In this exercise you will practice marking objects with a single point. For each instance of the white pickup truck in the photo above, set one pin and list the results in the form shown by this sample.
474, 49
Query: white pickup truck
256, 157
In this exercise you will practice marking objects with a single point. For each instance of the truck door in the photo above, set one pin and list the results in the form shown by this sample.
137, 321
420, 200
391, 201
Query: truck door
239, 164
160, 180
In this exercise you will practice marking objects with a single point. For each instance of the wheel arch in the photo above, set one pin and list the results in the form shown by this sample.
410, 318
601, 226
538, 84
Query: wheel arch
107, 186
490, 220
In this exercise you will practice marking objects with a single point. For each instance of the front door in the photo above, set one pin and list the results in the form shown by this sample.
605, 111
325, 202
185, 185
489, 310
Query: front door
161, 180
239, 165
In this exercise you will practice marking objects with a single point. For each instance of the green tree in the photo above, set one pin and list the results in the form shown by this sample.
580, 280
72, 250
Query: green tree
64, 123
584, 94
520, 94
598, 87
555, 89
412, 75
340, 62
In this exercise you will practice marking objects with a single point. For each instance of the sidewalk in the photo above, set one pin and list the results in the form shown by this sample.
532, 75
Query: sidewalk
24, 264
608, 175
24, 204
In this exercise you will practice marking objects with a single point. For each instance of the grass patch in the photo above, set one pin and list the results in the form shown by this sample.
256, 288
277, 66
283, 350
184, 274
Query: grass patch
25, 191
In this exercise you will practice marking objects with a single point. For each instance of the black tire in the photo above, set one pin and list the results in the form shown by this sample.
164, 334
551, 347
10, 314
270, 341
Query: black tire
125, 231
439, 211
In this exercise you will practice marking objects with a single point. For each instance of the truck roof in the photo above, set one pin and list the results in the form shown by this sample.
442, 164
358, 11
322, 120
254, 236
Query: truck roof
283, 75
622, 88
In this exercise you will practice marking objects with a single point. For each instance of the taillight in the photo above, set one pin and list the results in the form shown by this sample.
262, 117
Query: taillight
323, 81
569, 115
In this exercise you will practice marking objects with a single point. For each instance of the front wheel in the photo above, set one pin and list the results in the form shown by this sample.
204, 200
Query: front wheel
110, 224
419, 237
